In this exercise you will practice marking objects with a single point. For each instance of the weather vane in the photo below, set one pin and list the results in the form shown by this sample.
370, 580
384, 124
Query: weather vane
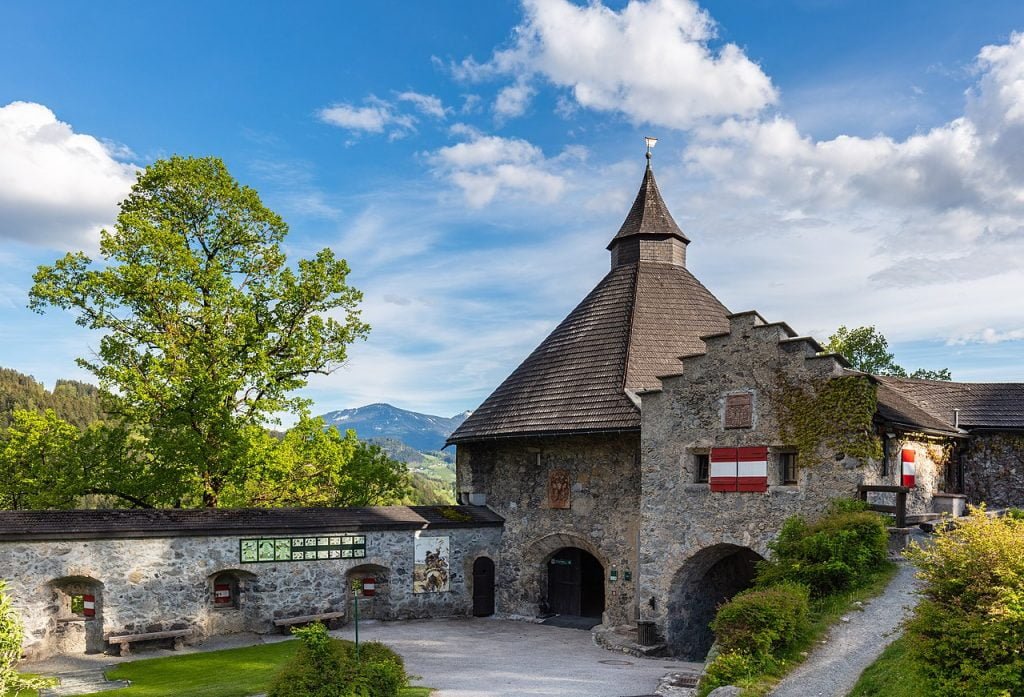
651, 142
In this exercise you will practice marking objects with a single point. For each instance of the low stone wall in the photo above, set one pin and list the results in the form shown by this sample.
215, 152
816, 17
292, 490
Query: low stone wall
155, 584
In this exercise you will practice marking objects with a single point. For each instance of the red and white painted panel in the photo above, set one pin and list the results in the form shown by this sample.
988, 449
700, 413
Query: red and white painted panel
909, 458
89, 605
752, 469
369, 587
222, 594
739, 469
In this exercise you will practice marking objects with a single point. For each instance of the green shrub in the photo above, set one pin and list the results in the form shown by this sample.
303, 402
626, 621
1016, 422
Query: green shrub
728, 668
968, 631
835, 553
320, 668
326, 667
762, 621
845, 505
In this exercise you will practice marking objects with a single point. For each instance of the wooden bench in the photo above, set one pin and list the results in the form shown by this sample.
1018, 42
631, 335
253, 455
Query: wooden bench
126, 640
327, 618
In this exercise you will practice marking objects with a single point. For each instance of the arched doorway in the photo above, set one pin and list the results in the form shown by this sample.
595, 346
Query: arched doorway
575, 583
707, 579
483, 587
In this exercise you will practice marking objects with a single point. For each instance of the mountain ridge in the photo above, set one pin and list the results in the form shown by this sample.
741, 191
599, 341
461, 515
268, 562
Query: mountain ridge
423, 432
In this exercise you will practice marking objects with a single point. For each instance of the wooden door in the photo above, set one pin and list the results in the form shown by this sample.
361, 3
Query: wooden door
564, 582
483, 587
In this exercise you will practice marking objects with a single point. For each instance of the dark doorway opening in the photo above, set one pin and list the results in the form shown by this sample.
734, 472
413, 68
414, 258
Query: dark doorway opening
704, 582
483, 587
575, 583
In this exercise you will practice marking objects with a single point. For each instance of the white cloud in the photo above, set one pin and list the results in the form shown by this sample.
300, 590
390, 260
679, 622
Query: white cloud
486, 166
652, 61
380, 115
425, 103
513, 100
377, 116
930, 228
58, 188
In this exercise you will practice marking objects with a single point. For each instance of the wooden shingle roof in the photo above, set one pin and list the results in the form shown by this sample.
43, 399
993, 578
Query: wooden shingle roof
631, 328
649, 215
996, 405
140, 523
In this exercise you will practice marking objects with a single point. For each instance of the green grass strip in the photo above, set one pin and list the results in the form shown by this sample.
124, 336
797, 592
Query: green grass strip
893, 674
227, 673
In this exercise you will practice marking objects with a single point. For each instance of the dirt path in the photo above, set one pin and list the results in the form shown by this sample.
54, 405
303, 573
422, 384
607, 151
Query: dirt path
833, 667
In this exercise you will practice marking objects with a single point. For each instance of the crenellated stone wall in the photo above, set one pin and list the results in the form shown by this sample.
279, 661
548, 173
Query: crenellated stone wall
154, 584
691, 536
602, 516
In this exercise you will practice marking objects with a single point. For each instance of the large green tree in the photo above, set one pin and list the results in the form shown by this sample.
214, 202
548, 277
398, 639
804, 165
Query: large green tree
206, 329
316, 465
867, 349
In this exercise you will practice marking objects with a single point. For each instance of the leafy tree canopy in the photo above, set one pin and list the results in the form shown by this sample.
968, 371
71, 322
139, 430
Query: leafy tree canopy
207, 331
868, 350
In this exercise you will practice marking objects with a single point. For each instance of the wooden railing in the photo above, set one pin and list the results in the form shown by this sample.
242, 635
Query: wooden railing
899, 510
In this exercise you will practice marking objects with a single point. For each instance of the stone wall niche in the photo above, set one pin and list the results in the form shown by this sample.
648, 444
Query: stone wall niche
232, 603
76, 611
375, 606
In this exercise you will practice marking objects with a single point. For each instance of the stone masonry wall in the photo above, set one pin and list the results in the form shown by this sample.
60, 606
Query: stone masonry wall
602, 517
154, 584
687, 529
994, 469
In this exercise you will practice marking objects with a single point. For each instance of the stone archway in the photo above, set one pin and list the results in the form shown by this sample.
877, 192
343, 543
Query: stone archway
536, 563
704, 581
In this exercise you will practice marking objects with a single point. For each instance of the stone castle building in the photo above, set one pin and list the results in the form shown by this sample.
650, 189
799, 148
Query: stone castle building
633, 468
644, 455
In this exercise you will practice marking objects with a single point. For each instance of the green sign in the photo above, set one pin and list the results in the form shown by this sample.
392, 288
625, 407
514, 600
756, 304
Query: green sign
313, 548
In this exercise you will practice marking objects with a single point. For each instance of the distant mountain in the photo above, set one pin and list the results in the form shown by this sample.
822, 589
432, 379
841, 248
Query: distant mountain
421, 432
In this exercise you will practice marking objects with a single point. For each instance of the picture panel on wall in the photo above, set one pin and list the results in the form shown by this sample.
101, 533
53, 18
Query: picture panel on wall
430, 568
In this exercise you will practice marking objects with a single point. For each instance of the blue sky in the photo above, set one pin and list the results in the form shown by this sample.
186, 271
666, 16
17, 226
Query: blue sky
834, 163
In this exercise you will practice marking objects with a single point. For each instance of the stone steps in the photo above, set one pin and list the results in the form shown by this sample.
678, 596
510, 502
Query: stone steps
83, 682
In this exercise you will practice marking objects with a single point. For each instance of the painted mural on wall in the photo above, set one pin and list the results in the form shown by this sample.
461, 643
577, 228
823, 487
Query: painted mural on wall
430, 568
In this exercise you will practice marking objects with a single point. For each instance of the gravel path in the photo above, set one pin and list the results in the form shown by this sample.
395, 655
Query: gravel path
833, 667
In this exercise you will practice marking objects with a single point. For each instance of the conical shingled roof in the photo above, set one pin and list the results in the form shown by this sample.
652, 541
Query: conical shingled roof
649, 214
631, 328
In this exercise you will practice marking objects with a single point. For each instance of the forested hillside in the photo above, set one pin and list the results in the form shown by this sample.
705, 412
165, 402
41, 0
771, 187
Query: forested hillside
84, 464
78, 403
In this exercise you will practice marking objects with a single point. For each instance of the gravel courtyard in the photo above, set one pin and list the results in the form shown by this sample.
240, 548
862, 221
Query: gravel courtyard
500, 658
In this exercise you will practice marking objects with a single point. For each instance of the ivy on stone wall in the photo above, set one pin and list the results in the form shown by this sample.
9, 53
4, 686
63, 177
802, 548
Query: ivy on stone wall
836, 413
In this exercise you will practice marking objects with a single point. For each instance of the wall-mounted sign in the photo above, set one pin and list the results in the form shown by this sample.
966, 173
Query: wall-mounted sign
311, 548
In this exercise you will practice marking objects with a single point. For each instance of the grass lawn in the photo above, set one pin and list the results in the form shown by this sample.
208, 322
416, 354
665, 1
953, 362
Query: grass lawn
825, 612
228, 673
893, 674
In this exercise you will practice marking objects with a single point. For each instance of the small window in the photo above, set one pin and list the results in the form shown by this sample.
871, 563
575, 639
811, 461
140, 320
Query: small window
788, 469
78, 605
701, 467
